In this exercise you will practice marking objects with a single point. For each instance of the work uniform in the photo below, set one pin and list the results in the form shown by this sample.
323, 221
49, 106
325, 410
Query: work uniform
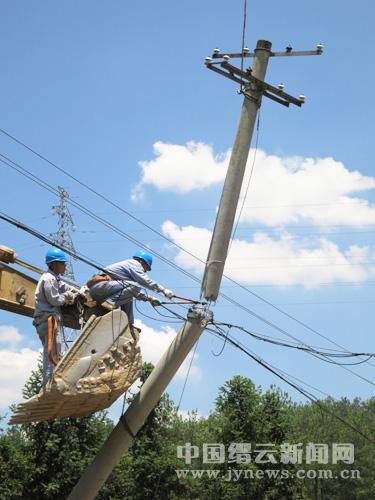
129, 279
49, 296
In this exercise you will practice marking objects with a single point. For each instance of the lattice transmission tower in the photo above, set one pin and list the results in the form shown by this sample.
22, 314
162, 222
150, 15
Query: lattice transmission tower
65, 227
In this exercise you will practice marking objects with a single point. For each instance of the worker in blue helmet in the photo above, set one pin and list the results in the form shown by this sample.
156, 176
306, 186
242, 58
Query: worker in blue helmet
124, 281
51, 293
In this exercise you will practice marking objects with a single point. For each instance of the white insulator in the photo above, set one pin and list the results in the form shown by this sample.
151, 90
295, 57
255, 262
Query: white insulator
281, 86
226, 57
208, 60
216, 50
302, 98
246, 50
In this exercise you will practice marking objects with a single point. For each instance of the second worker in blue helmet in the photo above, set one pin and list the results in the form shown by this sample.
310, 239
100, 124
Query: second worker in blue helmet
124, 281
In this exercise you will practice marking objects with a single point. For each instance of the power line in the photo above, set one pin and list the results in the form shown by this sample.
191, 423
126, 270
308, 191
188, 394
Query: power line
301, 323
243, 38
302, 391
320, 352
91, 214
84, 259
283, 376
248, 183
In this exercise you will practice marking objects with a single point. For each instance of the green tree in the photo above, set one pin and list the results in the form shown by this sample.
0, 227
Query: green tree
58, 451
15, 470
243, 414
317, 424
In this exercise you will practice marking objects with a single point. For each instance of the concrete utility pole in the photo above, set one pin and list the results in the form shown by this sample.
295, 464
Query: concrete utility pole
122, 436
233, 181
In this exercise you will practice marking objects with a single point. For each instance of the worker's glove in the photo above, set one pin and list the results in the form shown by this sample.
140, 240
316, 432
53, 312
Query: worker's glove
142, 296
168, 293
70, 297
154, 301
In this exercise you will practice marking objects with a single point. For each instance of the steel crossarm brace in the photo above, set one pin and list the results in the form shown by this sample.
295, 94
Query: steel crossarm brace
246, 75
224, 73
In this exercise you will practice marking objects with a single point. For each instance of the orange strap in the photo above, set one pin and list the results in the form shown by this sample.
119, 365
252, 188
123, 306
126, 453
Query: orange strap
53, 325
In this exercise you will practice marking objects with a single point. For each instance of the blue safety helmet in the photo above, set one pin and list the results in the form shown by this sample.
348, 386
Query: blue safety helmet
145, 256
55, 255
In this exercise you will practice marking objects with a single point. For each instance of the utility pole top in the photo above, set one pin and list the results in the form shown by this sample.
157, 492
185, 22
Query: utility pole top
247, 77
253, 87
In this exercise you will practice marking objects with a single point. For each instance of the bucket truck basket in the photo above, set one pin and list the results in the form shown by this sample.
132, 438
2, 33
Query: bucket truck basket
100, 365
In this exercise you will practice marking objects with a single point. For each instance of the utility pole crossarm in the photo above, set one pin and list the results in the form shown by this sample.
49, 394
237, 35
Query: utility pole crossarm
288, 53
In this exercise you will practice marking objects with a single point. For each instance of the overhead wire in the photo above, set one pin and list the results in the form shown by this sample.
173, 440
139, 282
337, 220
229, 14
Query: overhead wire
187, 375
319, 352
175, 314
247, 186
243, 38
285, 377
84, 259
281, 311
40, 182
302, 391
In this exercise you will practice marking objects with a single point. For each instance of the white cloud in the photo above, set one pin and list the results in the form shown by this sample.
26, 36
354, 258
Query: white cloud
282, 190
15, 369
154, 343
16, 365
190, 414
181, 168
281, 261
318, 190
9, 335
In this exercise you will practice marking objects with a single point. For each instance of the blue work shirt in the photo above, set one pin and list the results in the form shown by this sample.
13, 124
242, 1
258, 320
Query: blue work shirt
132, 271
128, 280
49, 295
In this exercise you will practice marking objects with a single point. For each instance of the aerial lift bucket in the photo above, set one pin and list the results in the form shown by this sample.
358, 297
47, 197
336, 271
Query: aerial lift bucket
102, 363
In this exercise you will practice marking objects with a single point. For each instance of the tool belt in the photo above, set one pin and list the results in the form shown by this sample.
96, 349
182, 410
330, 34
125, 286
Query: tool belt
97, 278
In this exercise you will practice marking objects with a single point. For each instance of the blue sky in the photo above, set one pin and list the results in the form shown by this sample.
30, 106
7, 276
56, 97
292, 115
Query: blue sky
117, 94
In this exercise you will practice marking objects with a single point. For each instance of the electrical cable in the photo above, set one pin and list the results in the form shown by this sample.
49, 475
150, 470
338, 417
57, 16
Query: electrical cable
319, 351
248, 184
91, 214
286, 378
302, 391
243, 39
45, 239
214, 332
88, 212
301, 323
150, 317
187, 374
224, 343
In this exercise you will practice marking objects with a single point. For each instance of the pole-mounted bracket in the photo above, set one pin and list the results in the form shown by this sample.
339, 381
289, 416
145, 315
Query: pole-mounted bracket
200, 312
250, 83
